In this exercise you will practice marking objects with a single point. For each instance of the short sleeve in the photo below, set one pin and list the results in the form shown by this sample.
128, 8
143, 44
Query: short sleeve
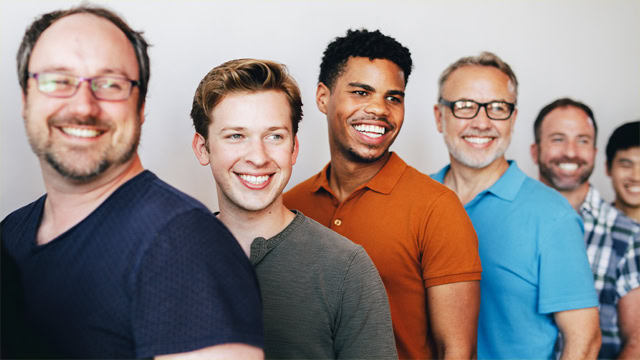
629, 268
364, 330
194, 288
566, 280
449, 244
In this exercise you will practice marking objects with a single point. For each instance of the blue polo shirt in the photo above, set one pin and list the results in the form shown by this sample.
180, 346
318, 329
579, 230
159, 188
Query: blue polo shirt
534, 263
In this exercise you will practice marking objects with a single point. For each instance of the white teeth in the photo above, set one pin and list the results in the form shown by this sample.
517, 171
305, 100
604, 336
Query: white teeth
372, 131
568, 166
477, 140
80, 132
255, 180
634, 189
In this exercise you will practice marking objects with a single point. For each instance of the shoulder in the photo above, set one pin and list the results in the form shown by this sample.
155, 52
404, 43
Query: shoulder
302, 190
323, 239
546, 201
14, 227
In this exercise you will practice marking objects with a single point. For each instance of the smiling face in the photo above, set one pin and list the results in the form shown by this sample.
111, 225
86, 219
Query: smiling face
625, 177
365, 109
476, 142
567, 151
252, 149
81, 137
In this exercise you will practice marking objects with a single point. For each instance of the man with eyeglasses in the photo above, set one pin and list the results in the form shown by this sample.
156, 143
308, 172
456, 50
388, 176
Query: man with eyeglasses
112, 262
565, 134
536, 278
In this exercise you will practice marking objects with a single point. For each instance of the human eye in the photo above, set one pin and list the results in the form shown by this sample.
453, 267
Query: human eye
499, 107
360, 92
52, 82
395, 99
234, 136
464, 105
557, 139
108, 83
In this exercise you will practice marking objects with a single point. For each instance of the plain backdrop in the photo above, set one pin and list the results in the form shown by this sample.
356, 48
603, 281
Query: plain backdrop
587, 50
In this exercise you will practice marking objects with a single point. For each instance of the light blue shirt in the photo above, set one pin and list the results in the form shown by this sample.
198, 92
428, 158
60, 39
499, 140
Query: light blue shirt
534, 263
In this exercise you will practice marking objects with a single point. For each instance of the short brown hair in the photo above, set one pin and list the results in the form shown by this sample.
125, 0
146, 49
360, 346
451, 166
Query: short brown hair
484, 59
41, 24
239, 76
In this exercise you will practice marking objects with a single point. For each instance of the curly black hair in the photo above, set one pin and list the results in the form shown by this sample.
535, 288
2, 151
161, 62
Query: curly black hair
362, 43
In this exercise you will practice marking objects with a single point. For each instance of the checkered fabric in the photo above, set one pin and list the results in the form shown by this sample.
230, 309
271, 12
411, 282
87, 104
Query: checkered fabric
613, 248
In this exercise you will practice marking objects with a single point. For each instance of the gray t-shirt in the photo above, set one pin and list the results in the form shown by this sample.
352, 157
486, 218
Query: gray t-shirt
322, 296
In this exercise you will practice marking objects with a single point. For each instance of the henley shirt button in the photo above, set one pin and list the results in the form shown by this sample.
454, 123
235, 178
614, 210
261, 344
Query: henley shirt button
338, 222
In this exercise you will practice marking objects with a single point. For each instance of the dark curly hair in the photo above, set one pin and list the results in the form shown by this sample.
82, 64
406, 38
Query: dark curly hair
362, 43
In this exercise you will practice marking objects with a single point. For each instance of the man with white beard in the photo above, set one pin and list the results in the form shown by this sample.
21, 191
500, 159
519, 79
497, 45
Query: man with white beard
565, 150
536, 277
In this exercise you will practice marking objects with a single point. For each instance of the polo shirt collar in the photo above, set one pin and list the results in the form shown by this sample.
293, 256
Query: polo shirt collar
383, 182
506, 187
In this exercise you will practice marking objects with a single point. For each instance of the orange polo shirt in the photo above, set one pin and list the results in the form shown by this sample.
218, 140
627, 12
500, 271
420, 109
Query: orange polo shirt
414, 229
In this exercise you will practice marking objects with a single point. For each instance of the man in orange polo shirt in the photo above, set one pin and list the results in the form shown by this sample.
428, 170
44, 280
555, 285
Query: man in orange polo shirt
414, 229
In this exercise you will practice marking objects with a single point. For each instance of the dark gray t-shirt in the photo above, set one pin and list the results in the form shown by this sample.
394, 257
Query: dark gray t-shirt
322, 296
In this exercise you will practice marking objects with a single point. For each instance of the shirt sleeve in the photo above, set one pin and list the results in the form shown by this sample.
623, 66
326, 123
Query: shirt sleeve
449, 244
194, 288
566, 280
629, 268
364, 330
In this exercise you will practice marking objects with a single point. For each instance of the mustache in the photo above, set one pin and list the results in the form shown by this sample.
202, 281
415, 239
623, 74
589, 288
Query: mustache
371, 117
474, 132
88, 121
565, 159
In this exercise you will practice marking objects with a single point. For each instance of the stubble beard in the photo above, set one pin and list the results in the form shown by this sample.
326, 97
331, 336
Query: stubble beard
468, 160
64, 159
557, 182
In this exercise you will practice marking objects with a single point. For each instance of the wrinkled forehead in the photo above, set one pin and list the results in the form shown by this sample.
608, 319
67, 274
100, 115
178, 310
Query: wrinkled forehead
84, 45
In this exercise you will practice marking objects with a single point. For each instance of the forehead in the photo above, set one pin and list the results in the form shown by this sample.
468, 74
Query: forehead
568, 120
253, 110
479, 83
383, 73
632, 153
84, 44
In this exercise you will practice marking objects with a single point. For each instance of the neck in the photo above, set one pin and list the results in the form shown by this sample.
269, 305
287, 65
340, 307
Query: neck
69, 202
632, 212
468, 182
248, 225
575, 197
346, 176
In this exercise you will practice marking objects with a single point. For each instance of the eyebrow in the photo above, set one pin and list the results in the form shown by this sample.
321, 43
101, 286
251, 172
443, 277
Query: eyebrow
101, 72
371, 88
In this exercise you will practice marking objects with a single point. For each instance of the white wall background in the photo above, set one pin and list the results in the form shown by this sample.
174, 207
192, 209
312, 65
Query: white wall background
588, 50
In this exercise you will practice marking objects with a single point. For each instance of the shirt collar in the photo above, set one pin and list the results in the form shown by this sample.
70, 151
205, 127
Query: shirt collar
506, 187
383, 182
592, 202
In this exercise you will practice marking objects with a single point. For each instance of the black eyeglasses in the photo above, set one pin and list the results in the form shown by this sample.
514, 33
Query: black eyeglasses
468, 109
111, 88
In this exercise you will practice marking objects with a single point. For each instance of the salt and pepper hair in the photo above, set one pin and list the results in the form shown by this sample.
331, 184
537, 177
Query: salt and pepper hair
42, 23
484, 59
243, 76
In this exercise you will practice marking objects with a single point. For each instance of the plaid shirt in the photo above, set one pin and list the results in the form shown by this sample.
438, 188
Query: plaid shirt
613, 248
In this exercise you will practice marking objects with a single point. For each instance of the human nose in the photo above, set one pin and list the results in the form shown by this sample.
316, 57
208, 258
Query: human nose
257, 153
83, 103
636, 172
481, 121
377, 106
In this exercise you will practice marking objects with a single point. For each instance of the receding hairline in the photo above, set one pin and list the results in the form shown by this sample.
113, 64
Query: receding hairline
510, 85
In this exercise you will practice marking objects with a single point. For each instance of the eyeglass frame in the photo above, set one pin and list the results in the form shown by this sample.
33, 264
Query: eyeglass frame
450, 104
80, 80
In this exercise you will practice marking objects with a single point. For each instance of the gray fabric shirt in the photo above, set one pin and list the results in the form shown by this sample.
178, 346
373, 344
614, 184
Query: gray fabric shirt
322, 296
